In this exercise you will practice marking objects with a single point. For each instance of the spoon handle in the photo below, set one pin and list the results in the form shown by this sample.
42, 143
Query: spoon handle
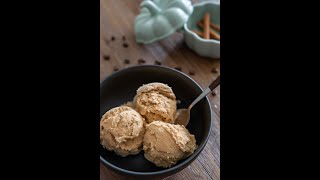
211, 87
214, 84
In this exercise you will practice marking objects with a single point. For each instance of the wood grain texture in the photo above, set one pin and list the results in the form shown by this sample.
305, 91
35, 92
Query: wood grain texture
117, 20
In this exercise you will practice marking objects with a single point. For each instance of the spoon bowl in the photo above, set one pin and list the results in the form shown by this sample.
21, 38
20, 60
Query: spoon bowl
183, 115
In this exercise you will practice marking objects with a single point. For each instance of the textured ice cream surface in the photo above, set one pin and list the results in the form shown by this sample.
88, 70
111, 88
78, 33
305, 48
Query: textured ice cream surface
156, 102
122, 130
165, 144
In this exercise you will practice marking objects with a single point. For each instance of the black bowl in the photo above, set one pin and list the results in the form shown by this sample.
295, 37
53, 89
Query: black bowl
121, 86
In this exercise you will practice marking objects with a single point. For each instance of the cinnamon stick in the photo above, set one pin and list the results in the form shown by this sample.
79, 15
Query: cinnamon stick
198, 33
211, 32
214, 35
206, 26
215, 27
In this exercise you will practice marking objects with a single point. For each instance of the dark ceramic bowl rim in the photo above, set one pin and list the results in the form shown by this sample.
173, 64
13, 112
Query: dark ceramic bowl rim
176, 167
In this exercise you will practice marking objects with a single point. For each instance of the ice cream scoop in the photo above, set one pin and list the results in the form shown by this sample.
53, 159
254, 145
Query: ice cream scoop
122, 130
165, 144
156, 101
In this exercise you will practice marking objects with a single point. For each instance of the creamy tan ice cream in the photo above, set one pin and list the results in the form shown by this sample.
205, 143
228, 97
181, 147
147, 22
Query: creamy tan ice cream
156, 102
165, 144
122, 130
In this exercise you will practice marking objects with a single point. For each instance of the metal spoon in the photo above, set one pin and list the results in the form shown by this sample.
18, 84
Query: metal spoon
183, 115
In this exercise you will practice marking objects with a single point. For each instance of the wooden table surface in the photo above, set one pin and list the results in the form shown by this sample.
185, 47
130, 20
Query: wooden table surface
117, 20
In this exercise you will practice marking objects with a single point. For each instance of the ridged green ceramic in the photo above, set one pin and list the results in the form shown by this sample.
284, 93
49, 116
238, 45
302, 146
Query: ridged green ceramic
203, 47
161, 18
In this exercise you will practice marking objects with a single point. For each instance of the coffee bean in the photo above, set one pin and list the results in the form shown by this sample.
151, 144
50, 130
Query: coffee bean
141, 61
106, 57
125, 45
157, 62
127, 61
191, 72
214, 93
115, 69
178, 68
214, 70
124, 38
113, 38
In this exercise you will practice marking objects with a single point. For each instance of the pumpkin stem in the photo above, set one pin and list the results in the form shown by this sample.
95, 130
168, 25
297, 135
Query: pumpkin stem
153, 8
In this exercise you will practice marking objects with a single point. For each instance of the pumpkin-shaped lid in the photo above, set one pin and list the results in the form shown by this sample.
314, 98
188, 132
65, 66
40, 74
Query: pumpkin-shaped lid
159, 19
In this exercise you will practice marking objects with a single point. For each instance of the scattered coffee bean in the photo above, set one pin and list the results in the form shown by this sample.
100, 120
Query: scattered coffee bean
127, 61
125, 45
113, 38
214, 70
124, 38
106, 57
141, 61
178, 68
192, 72
115, 69
214, 93
157, 62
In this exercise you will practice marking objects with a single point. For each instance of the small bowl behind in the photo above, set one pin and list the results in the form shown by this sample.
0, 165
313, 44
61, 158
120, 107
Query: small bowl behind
203, 47
121, 86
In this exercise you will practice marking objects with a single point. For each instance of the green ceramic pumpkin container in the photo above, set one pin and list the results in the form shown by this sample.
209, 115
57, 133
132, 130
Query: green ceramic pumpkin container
159, 19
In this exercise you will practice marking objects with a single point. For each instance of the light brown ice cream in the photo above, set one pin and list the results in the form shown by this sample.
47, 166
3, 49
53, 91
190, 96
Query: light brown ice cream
122, 130
156, 102
164, 144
